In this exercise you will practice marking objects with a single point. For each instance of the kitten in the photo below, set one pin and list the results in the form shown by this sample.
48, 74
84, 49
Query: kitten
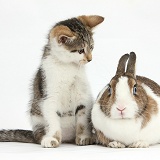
61, 103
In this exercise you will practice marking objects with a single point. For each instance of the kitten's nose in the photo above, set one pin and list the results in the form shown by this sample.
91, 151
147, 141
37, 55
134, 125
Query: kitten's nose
89, 57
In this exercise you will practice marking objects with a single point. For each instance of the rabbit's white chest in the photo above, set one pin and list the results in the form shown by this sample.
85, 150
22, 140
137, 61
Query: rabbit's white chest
125, 131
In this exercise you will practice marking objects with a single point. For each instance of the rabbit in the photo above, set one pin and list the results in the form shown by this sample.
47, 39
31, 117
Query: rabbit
126, 112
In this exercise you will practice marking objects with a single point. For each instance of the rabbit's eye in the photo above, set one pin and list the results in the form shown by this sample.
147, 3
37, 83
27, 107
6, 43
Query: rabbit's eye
109, 90
135, 89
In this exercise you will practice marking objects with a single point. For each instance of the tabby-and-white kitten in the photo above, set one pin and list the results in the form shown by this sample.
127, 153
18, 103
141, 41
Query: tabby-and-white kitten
61, 103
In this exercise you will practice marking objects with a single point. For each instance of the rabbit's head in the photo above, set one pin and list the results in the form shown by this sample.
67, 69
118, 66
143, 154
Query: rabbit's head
124, 97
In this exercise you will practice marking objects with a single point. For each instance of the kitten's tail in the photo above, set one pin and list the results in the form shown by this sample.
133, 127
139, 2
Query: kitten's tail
24, 136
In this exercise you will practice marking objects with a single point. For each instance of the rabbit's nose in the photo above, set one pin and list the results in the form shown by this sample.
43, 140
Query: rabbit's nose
121, 109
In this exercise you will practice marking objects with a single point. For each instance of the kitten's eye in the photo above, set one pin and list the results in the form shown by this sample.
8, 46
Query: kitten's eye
91, 47
81, 51
109, 90
74, 51
135, 89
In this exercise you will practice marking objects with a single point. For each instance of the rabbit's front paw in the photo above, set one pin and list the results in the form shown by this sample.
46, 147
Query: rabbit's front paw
116, 144
139, 144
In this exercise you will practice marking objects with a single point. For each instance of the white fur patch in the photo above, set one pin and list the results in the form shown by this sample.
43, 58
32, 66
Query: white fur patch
36, 120
124, 100
68, 129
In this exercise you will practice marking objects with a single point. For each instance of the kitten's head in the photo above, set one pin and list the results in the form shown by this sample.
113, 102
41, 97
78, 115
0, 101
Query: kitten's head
71, 40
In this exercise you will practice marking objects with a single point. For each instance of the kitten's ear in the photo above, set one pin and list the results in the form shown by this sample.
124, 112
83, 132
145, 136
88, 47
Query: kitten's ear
62, 33
91, 21
65, 39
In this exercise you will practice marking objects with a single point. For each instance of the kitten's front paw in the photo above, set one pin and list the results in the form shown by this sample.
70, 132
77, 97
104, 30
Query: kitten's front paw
116, 144
49, 142
84, 141
139, 144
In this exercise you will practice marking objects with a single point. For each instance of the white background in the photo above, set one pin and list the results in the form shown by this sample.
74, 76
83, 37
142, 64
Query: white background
130, 25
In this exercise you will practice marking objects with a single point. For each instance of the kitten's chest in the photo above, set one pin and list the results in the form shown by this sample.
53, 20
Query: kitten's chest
64, 84
58, 76
70, 95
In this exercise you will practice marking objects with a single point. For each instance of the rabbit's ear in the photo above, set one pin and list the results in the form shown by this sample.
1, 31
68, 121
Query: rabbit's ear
131, 64
122, 64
